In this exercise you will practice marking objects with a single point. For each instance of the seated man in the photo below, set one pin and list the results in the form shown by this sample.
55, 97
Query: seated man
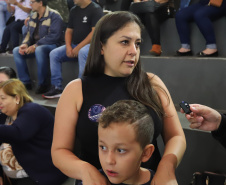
44, 34
82, 20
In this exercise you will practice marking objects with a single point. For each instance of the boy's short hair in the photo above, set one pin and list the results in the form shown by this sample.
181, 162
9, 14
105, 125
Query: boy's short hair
131, 112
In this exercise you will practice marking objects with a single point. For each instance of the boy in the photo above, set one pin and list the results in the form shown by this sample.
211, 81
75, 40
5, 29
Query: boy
125, 132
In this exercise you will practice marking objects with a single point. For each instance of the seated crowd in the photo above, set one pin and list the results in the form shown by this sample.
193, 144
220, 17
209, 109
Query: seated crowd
50, 33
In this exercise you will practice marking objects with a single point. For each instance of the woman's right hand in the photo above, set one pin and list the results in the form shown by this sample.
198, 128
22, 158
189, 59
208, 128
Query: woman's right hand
91, 176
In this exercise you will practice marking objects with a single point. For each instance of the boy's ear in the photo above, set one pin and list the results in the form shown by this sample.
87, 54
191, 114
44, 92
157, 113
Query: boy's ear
147, 152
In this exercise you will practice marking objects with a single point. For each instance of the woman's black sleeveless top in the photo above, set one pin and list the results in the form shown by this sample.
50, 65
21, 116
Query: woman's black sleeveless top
99, 93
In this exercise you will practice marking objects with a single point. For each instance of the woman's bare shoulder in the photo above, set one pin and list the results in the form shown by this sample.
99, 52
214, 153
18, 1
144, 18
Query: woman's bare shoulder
72, 94
153, 77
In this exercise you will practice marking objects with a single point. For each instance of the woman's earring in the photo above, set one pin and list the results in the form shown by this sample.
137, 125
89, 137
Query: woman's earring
17, 103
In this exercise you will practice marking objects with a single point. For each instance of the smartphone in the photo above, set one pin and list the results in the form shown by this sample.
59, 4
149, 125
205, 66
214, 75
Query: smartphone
185, 106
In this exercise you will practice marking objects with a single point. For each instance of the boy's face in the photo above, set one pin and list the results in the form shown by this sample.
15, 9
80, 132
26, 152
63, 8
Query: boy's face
119, 152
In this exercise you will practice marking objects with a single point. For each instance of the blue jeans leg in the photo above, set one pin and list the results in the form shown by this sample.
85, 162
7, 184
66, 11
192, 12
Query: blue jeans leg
184, 3
4, 15
183, 19
42, 59
204, 18
82, 56
57, 57
21, 65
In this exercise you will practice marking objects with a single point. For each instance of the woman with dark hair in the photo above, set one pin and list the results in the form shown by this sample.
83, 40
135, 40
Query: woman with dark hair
6, 73
113, 72
26, 138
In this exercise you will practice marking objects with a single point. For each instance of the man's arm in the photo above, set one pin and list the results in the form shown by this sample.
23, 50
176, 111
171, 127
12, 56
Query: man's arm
11, 9
68, 42
24, 8
86, 41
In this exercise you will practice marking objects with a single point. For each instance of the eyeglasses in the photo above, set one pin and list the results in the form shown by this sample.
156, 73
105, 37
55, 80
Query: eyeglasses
32, 2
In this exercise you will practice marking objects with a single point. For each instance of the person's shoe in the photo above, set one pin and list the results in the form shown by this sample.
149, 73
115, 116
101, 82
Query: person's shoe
28, 86
182, 54
2, 52
53, 93
42, 89
9, 53
156, 50
201, 54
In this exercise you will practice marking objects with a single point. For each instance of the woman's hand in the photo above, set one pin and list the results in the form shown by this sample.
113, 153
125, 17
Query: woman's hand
91, 176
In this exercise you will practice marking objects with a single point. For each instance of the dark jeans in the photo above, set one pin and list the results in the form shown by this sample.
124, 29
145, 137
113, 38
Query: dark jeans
203, 15
152, 22
12, 32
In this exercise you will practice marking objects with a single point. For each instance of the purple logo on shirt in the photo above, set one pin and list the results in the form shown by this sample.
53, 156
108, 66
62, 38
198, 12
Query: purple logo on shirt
95, 112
